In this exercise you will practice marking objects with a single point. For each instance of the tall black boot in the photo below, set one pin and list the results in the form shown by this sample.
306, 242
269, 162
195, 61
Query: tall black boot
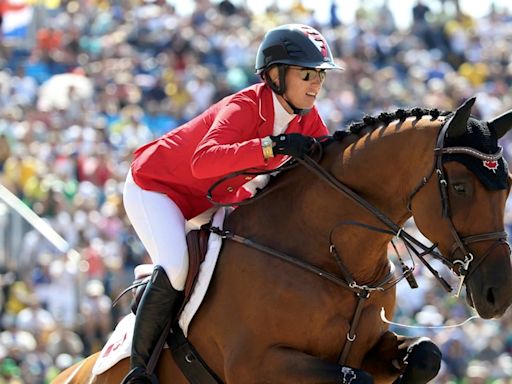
159, 304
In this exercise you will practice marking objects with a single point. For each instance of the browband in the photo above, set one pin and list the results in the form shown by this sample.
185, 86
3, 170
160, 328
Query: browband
472, 152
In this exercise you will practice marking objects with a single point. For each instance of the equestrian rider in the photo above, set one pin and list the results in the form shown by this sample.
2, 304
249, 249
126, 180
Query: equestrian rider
257, 127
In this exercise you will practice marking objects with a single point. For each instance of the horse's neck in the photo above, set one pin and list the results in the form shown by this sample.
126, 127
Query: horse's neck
298, 217
386, 165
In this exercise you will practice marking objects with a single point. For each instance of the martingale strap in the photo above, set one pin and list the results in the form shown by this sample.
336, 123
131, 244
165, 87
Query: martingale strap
362, 292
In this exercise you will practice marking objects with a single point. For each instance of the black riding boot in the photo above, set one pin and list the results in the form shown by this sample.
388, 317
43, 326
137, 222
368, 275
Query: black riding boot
159, 304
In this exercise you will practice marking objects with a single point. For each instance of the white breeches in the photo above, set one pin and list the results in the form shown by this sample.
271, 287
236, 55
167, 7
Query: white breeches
160, 225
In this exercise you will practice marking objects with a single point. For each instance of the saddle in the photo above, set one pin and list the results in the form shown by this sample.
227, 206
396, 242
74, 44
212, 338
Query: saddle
197, 243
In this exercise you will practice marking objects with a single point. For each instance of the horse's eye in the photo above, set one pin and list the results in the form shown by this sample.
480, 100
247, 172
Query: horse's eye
460, 188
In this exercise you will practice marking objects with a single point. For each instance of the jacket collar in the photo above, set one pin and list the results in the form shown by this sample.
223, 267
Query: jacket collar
266, 111
265, 107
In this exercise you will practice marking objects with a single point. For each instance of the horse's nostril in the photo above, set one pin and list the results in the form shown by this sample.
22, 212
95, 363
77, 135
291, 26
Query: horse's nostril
490, 296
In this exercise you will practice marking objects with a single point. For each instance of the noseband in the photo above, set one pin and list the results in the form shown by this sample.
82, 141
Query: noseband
460, 266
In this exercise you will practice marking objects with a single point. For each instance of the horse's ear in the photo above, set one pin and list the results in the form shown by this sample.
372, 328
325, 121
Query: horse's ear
457, 124
501, 124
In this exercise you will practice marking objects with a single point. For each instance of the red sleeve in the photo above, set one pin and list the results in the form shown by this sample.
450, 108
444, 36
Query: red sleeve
232, 142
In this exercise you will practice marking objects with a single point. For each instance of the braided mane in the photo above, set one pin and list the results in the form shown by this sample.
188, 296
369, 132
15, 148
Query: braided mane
386, 118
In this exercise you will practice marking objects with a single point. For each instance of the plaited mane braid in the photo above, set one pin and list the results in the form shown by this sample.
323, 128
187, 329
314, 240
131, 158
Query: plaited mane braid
385, 118
477, 136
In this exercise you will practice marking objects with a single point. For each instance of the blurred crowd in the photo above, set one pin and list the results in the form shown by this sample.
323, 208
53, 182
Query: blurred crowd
95, 79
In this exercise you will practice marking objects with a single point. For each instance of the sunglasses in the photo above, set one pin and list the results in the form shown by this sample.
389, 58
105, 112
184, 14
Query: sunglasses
308, 74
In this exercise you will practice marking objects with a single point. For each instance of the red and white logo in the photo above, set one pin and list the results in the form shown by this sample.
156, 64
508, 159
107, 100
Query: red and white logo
491, 165
317, 39
112, 347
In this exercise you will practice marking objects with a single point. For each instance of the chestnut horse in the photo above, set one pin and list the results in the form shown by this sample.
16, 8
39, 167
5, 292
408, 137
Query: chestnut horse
299, 298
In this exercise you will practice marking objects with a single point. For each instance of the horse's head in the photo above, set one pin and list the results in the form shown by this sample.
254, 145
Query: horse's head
461, 207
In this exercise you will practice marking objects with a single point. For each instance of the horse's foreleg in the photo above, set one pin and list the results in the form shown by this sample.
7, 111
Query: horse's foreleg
403, 360
282, 365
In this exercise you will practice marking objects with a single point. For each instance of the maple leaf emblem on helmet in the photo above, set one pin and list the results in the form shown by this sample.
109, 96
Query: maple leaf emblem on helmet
491, 165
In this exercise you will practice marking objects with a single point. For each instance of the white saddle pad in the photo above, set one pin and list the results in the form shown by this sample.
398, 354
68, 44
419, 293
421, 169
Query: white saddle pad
119, 343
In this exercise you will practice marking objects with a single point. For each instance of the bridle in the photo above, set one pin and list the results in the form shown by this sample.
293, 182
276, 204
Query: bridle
460, 266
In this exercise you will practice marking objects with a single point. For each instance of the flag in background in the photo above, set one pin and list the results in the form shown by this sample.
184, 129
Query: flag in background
48, 4
16, 18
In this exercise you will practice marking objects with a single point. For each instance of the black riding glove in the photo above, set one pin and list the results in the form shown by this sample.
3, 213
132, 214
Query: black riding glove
293, 144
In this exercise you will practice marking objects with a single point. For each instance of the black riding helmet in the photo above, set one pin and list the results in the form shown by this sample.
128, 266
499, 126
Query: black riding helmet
292, 44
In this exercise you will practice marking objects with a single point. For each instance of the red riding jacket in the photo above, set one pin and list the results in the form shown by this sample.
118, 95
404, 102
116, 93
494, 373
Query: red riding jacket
184, 163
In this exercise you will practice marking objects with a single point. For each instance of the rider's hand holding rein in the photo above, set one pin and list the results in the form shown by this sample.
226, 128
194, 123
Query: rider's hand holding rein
292, 144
